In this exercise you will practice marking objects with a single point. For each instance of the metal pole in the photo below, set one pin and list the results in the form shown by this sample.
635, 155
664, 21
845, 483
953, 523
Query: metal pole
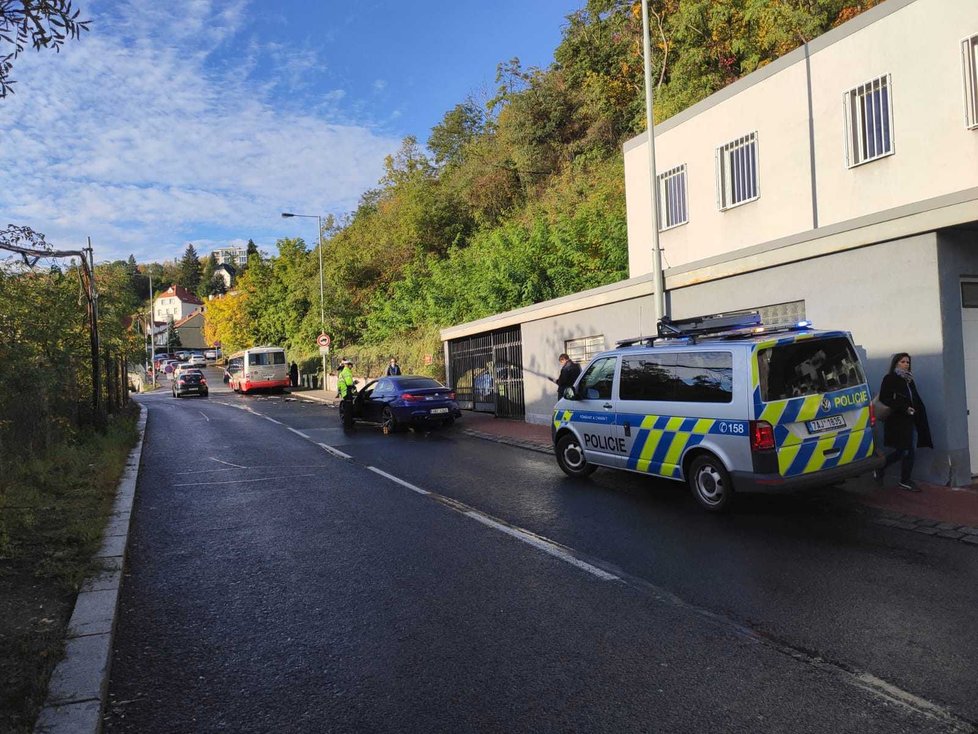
658, 301
152, 328
322, 299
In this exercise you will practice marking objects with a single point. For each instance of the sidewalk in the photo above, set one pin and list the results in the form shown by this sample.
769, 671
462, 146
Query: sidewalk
950, 512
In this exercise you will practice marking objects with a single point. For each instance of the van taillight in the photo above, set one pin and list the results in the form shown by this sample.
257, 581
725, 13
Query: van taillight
761, 436
872, 414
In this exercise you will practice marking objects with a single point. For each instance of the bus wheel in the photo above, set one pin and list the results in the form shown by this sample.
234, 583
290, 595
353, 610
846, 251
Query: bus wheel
570, 457
710, 483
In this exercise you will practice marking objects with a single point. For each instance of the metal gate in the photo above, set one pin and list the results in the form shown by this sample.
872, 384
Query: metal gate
486, 372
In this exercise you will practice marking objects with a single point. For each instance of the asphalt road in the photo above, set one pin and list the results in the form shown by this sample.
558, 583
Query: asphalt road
275, 585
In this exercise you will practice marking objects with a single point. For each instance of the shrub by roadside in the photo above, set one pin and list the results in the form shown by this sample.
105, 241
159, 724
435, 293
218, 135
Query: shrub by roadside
52, 514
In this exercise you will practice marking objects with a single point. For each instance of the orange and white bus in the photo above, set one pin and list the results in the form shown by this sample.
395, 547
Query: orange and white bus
258, 368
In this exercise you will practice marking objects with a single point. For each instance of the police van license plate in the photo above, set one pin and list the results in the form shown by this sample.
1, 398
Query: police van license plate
826, 424
439, 410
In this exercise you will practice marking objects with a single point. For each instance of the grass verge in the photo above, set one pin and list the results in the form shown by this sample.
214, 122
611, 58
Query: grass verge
52, 514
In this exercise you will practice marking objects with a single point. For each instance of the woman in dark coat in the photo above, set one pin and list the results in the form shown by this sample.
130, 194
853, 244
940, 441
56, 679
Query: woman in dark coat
906, 427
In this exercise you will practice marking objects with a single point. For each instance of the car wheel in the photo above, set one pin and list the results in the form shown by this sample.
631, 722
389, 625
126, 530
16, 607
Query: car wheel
204, 393
389, 422
570, 457
710, 483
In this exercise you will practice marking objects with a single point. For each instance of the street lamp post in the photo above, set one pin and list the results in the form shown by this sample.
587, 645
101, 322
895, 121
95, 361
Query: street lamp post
322, 300
659, 300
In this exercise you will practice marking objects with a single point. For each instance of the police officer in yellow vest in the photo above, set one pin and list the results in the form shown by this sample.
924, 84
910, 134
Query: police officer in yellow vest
345, 385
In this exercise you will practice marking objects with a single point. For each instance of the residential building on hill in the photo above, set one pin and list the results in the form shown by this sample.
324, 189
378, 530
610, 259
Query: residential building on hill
837, 184
234, 256
175, 302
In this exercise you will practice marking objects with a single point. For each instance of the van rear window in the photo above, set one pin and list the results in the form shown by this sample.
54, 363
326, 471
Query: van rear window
808, 367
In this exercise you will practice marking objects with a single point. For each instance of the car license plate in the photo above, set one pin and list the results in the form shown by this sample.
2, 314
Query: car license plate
826, 424
439, 410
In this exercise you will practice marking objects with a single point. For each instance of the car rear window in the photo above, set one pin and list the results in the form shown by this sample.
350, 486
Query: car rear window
808, 367
417, 383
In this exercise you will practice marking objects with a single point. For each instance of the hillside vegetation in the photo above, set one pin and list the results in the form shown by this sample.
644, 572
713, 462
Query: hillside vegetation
515, 199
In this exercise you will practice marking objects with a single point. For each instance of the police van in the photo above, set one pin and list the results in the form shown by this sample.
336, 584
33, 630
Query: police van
725, 404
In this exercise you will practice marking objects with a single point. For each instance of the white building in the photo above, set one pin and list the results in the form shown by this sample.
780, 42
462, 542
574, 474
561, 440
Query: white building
237, 257
176, 303
839, 183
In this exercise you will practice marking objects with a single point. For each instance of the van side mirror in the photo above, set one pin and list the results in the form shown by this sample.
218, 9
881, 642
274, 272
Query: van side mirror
569, 393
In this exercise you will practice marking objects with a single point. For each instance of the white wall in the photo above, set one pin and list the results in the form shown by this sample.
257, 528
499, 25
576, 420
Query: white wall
918, 44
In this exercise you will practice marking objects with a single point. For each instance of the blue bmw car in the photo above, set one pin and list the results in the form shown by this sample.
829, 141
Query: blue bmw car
398, 402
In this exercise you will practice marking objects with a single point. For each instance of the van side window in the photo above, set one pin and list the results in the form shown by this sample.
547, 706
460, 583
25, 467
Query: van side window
597, 381
688, 377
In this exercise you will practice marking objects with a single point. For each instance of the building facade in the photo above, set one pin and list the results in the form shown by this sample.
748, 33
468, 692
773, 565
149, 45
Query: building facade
838, 184
176, 303
236, 257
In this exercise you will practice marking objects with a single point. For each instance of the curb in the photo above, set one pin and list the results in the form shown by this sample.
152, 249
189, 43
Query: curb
518, 443
80, 682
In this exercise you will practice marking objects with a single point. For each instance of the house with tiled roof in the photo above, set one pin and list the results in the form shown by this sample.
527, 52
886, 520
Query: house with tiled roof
191, 331
176, 303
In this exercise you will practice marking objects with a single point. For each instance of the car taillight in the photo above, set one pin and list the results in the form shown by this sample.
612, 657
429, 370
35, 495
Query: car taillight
203, 381
409, 396
761, 436
181, 381
451, 396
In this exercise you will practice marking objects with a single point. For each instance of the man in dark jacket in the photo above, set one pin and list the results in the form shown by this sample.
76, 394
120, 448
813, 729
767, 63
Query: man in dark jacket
569, 371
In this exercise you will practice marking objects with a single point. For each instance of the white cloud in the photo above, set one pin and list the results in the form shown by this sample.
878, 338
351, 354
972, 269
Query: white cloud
144, 137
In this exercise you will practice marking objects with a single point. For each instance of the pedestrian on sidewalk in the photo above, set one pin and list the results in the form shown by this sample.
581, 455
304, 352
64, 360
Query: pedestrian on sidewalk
569, 371
294, 374
393, 369
906, 428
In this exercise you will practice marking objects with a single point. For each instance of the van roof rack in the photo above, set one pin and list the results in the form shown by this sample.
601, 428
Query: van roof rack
714, 324
717, 326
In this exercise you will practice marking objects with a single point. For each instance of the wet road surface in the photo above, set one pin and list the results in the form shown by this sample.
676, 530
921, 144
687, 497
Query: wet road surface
436, 582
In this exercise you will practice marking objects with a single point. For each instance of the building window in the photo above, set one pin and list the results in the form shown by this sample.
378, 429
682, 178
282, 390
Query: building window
737, 172
869, 121
969, 56
969, 294
672, 198
582, 350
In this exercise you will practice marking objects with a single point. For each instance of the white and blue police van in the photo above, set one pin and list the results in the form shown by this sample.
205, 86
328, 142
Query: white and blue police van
725, 404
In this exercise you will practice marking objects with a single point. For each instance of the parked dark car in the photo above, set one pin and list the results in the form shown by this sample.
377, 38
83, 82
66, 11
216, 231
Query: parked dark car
190, 382
398, 402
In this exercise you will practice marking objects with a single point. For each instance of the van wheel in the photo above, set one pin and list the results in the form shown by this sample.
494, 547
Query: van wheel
570, 457
710, 483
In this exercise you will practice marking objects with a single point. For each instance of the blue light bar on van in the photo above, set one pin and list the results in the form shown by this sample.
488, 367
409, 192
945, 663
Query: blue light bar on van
804, 324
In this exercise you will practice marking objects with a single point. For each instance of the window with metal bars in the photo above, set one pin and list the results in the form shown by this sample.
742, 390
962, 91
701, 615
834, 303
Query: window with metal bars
672, 198
869, 121
581, 350
969, 58
737, 172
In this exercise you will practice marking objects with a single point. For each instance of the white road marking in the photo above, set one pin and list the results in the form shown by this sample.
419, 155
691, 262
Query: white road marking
272, 420
335, 452
236, 466
244, 481
541, 544
201, 471
205, 415
410, 486
297, 433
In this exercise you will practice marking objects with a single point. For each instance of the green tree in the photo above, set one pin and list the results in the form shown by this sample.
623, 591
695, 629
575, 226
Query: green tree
190, 269
172, 337
207, 276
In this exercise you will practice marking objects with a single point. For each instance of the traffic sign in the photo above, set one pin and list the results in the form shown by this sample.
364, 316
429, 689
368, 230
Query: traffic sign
323, 340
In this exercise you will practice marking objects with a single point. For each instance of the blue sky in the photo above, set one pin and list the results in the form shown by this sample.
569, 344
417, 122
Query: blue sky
202, 120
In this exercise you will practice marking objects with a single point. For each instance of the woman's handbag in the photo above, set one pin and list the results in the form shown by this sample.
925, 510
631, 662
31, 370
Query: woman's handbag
881, 410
